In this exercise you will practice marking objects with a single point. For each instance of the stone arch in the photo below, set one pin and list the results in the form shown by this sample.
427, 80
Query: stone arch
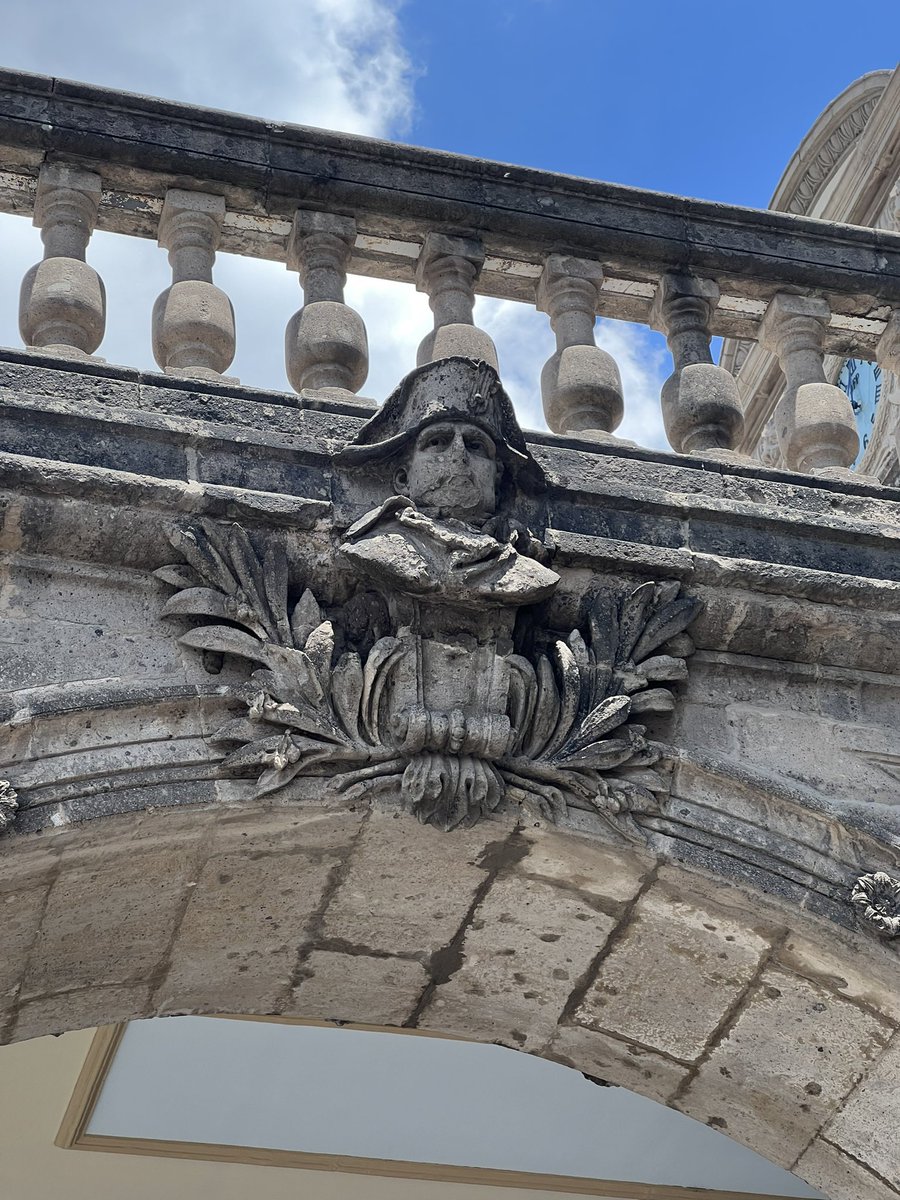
827, 144
739, 1009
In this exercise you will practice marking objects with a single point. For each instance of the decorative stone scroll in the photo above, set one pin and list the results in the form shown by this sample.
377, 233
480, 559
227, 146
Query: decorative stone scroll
9, 804
447, 700
876, 898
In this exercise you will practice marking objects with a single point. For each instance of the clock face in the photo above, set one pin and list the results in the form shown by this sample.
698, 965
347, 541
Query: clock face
862, 383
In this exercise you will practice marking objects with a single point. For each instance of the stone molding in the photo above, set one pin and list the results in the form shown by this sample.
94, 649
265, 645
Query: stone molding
831, 136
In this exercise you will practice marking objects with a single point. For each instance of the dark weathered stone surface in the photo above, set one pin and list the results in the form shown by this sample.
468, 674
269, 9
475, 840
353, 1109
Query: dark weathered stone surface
794, 693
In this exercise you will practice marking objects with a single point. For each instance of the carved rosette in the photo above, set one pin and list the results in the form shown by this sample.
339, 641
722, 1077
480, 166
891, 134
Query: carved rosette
876, 898
569, 735
9, 804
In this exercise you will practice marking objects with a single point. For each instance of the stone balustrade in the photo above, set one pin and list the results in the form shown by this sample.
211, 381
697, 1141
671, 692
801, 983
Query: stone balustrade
700, 403
75, 158
447, 270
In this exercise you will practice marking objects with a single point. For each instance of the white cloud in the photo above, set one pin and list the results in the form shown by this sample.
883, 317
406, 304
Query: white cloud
339, 64
644, 364
335, 63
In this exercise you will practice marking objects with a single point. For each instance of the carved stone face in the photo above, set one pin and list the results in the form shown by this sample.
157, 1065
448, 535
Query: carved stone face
452, 472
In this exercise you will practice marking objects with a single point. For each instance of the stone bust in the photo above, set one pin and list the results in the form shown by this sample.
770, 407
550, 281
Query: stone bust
451, 439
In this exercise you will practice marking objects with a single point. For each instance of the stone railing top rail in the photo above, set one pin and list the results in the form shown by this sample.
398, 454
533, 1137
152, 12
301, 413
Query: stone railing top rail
398, 195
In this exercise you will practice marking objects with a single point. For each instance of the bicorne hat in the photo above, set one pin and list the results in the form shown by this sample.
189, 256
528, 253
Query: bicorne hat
449, 389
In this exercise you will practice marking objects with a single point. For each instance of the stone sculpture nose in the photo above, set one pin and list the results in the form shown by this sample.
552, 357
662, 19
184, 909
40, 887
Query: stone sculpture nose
458, 448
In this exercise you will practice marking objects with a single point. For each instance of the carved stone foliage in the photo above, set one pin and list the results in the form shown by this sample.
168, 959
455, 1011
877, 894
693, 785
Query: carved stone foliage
8, 805
876, 898
568, 733
461, 698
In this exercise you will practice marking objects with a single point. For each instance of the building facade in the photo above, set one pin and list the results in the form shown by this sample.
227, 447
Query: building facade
408, 719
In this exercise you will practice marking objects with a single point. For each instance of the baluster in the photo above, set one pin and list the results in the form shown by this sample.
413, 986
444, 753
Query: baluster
325, 344
193, 320
446, 271
700, 404
580, 383
813, 419
62, 304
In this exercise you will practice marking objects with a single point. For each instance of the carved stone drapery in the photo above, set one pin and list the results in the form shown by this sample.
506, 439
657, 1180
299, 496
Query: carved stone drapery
876, 898
560, 729
450, 706
9, 804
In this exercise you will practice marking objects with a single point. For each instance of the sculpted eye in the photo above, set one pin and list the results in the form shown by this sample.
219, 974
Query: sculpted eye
479, 444
438, 439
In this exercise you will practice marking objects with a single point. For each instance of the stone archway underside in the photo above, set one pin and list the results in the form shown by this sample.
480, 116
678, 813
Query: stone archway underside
766, 1023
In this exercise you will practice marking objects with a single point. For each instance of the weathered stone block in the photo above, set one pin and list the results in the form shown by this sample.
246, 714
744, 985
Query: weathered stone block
585, 866
860, 1128
528, 945
130, 900
413, 901
37, 654
870, 982
358, 987
83, 1009
787, 1062
837, 1175
20, 915
252, 910
617, 1061
674, 956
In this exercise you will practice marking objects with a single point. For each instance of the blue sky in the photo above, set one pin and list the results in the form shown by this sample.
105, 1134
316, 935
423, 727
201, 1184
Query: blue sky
701, 98
704, 98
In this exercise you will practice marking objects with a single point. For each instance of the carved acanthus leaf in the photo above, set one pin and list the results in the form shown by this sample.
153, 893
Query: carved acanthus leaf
568, 738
